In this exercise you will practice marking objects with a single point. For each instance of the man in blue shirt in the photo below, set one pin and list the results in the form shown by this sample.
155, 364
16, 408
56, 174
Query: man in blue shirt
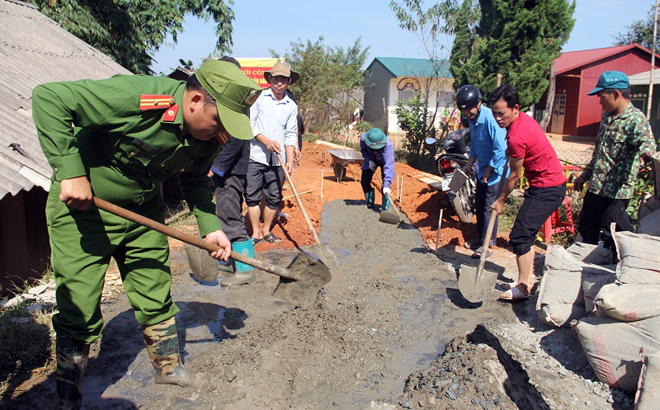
488, 150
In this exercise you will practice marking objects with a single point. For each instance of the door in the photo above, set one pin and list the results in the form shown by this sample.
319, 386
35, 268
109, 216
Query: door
558, 111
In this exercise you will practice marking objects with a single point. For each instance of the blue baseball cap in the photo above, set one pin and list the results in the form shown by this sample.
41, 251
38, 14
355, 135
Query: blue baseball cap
611, 80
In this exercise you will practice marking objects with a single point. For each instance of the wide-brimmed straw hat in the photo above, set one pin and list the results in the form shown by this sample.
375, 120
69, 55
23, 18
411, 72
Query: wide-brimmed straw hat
283, 69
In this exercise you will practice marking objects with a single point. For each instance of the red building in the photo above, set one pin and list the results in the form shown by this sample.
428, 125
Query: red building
576, 113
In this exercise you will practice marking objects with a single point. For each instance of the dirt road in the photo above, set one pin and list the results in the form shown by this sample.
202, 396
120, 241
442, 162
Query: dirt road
371, 340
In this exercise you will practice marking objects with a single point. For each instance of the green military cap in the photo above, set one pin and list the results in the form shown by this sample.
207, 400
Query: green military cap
234, 93
611, 80
375, 138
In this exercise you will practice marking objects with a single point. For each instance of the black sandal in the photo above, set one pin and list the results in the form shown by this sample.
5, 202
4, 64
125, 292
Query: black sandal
271, 238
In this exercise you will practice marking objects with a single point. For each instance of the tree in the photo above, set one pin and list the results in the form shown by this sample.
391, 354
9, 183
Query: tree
464, 30
640, 32
328, 80
417, 117
132, 31
516, 38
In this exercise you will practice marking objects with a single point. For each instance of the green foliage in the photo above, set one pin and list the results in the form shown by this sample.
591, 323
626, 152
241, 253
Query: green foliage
518, 39
363, 126
643, 186
329, 79
438, 19
466, 19
640, 32
417, 121
414, 118
427, 24
132, 31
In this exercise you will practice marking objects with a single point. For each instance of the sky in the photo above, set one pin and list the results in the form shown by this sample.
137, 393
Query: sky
261, 26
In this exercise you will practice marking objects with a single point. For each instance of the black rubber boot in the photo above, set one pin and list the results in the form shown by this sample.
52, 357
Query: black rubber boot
72, 356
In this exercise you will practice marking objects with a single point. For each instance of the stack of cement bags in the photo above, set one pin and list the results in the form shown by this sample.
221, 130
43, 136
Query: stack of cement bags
572, 278
627, 318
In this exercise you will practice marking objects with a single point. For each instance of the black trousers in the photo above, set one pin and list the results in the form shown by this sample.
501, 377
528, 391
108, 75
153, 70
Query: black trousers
598, 213
484, 198
266, 180
229, 191
539, 204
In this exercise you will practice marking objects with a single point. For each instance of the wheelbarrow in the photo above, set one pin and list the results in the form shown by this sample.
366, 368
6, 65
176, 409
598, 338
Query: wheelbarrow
340, 160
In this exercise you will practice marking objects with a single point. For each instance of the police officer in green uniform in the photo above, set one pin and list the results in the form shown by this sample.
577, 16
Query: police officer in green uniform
118, 139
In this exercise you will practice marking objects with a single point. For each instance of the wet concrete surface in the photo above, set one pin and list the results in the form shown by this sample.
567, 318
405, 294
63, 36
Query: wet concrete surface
390, 310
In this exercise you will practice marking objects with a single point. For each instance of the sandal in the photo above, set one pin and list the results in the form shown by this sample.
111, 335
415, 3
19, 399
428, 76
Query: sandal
271, 238
514, 294
477, 253
255, 241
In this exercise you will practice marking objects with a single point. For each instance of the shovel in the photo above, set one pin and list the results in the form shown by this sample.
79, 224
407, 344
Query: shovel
388, 216
321, 250
299, 283
477, 284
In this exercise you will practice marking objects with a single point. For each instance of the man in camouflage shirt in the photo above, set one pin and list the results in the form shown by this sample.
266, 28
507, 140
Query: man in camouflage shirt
623, 140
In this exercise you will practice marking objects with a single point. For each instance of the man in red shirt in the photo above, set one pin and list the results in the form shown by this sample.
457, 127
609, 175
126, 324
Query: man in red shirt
529, 148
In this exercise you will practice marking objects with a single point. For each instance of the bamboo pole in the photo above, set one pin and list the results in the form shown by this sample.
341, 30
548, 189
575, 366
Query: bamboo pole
437, 239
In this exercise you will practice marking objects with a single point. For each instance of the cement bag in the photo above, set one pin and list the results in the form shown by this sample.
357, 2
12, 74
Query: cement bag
588, 253
639, 258
629, 302
649, 204
612, 348
650, 224
559, 259
648, 393
592, 284
560, 293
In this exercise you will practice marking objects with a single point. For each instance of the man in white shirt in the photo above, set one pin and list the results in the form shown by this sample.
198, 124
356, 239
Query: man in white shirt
275, 127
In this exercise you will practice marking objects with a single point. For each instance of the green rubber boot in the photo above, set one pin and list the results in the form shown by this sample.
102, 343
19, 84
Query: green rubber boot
72, 356
244, 274
371, 198
386, 203
163, 348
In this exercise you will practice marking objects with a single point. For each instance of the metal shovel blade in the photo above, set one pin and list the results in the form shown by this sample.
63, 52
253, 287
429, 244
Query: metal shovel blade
204, 268
474, 287
311, 275
389, 217
326, 255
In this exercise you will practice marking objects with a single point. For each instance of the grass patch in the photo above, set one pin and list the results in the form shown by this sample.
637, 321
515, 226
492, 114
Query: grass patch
512, 205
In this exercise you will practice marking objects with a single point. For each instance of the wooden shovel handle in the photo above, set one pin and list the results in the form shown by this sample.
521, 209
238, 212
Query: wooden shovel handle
300, 204
485, 246
189, 239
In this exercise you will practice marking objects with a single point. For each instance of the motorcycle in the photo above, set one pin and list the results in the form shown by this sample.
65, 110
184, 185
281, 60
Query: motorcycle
454, 154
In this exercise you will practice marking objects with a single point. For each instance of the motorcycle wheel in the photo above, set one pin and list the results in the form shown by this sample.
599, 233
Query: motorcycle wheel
462, 206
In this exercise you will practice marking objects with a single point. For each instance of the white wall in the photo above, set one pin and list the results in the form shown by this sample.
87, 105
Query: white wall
444, 85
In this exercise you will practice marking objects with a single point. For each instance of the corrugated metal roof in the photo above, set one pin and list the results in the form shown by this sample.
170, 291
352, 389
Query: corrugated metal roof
413, 67
645, 78
575, 59
35, 50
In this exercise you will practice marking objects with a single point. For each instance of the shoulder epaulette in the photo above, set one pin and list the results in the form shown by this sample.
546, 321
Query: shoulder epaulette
223, 137
170, 114
155, 102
